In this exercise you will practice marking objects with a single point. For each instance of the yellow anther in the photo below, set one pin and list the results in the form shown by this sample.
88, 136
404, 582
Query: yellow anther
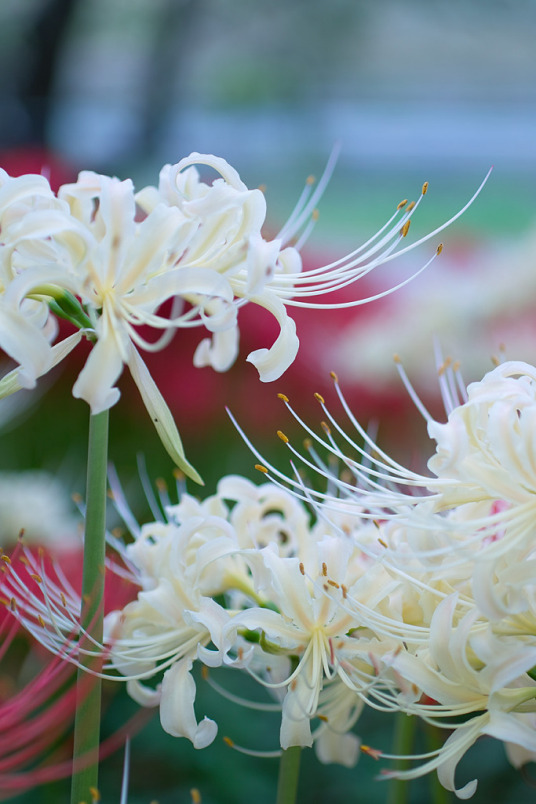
196, 795
323, 718
456, 365
261, 468
4, 601
402, 204
24, 560
404, 230
319, 398
110, 494
178, 474
262, 188
411, 206
95, 795
495, 360
315, 214
324, 569
375, 753
64, 602
333, 583
228, 741
344, 591
325, 427
36, 578
204, 673
439, 249
6, 559
441, 370
333, 376
282, 436
161, 484
302, 568
307, 443
383, 544
396, 357
13, 604
283, 397
310, 180
424, 188
76, 497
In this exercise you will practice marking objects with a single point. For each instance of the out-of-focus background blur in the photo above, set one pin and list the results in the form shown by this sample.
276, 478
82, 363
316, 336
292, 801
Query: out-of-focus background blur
434, 90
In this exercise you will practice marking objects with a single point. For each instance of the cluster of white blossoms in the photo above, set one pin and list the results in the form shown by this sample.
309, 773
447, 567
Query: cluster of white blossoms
457, 547
405, 592
108, 258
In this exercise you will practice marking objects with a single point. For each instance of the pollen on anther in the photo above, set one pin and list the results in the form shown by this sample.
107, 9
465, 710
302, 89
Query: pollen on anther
310, 180
325, 427
402, 204
228, 741
425, 188
36, 578
261, 468
13, 604
64, 602
319, 398
396, 357
307, 443
411, 206
333, 583
302, 568
323, 718
404, 230
283, 397
315, 214
6, 559
324, 569
383, 544
95, 794
375, 753
282, 436
439, 249
344, 591
194, 792
333, 376
204, 673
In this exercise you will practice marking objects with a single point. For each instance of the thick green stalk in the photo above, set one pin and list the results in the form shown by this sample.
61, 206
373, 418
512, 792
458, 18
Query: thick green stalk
289, 770
88, 705
435, 737
404, 738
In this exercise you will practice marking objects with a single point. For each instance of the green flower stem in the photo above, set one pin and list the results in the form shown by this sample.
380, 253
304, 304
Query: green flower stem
435, 737
87, 721
404, 738
289, 769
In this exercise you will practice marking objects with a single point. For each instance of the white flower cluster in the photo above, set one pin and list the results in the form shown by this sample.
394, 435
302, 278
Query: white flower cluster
407, 592
457, 547
108, 258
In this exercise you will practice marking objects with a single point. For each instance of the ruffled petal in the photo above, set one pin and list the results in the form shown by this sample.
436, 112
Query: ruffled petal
272, 362
177, 713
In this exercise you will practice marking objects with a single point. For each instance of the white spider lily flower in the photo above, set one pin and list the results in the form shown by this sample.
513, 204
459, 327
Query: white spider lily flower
38, 238
312, 617
270, 273
469, 670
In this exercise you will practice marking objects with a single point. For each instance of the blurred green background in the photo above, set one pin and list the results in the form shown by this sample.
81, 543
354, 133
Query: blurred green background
411, 91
